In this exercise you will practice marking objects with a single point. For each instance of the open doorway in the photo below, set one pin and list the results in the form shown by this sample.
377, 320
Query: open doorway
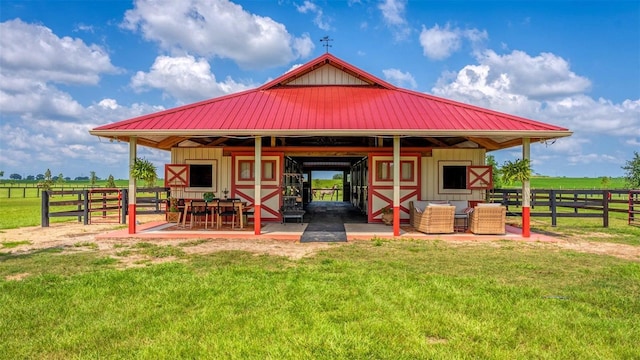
327, 185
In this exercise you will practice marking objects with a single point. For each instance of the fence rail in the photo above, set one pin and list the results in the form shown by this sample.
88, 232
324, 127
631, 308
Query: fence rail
100, 204
9, 192
554, 203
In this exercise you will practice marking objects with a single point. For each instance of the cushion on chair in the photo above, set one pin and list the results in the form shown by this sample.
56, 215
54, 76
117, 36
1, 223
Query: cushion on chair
460, 205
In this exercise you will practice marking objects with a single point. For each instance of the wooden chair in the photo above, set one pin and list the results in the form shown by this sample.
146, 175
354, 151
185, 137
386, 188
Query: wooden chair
228, 211
214, 210
248, 211
488, 219
197, 210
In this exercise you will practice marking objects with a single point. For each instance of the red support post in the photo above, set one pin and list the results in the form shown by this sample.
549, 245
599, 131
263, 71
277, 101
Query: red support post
256, 219
526, 224
132, 218
396, 221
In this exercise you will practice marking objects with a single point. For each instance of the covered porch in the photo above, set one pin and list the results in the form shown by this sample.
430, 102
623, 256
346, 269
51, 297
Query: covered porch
396, 145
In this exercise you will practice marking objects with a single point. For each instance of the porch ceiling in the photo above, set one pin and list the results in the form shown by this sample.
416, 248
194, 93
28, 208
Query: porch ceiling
487, 142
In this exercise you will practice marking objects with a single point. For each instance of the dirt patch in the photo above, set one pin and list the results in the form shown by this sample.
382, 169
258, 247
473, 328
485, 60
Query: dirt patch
78, 237
75, 237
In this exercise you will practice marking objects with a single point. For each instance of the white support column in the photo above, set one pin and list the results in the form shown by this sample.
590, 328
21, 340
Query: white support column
133, 141
396, 185
526, 192
257, 171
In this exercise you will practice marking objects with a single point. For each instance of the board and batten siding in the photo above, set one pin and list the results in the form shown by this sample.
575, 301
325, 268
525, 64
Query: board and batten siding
429, 188
222, 172
327, 75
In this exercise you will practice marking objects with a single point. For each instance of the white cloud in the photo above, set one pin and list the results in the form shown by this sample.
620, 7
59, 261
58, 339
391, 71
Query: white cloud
393, 15
590, 159
32, 52
588, 115
633, 142
399, 78
473, 85
530, 86
440, 43
32, 58
303, 45
393, 11
185, 78
539, 77
544, 88
216, 28
309, 7
33, 144
38, 98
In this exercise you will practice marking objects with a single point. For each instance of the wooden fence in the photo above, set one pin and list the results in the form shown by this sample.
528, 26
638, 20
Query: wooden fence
565, 203
104, 205
634, 207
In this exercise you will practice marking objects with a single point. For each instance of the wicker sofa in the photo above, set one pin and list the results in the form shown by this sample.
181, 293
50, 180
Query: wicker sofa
488, 219
432, 218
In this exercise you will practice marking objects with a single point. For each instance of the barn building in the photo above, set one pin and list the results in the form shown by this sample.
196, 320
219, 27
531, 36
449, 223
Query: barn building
393, 145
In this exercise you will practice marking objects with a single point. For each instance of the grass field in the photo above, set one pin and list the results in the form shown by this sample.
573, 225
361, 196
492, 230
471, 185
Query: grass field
380, 299
544, 182
365, 300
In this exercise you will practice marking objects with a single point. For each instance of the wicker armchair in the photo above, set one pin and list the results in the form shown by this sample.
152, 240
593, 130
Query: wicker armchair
435, 219
488, 220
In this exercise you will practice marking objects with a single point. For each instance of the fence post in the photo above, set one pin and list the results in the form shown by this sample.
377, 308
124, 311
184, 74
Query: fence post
552, 205
24, 192
631, 207
605, 208
44, 214
79, 207
157, 200
85, 193
125, 205
9, 194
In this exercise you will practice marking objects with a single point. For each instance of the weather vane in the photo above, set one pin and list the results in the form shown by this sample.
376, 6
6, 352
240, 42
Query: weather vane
326, 44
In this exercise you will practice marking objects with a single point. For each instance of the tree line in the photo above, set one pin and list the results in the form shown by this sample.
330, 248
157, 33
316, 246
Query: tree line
47, 180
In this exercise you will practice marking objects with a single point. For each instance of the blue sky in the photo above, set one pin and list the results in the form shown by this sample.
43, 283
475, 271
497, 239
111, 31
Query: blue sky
69, 66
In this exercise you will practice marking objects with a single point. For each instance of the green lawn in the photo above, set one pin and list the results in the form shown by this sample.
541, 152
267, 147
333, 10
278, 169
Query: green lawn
366, 300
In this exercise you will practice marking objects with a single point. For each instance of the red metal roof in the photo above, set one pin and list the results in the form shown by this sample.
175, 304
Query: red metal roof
278, 108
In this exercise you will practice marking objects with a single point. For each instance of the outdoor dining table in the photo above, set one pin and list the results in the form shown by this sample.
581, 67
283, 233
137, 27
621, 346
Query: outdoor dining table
239, 205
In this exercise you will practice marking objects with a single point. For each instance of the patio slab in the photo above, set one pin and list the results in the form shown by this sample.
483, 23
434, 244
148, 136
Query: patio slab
293, 232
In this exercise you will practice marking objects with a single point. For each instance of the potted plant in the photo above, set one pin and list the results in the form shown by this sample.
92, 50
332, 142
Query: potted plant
208, 197
387, 215
174, 213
